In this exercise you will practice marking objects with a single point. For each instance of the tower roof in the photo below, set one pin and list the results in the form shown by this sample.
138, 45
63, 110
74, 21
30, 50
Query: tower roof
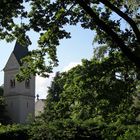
20, 51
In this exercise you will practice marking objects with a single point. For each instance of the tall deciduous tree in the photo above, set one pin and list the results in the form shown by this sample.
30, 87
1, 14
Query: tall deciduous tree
49, 18
92, 101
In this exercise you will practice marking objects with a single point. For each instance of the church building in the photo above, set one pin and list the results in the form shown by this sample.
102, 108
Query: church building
19, 96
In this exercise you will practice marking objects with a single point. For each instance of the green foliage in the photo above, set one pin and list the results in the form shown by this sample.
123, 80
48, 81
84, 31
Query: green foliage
49, 18
1, 90
92, 101
133, 4
13, 132
64, 129
132, 133
4, 119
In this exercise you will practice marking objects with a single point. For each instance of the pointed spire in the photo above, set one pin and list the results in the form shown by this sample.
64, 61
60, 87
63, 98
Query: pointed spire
20, 51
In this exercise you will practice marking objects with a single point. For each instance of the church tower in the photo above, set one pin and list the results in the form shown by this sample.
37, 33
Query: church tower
19, 96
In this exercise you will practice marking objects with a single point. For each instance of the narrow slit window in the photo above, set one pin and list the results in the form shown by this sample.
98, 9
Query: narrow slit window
12, 83
27, 83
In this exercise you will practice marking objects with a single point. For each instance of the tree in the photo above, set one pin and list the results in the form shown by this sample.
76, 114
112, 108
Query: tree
4, 119
1, 90
49, 18
92, 101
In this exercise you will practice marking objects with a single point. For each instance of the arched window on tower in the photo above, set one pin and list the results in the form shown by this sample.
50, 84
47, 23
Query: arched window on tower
27, 83
12, 83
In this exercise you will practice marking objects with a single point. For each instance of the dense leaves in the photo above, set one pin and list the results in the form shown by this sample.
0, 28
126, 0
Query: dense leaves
94, 100
97, 100
49, 18
4, 119
14, 132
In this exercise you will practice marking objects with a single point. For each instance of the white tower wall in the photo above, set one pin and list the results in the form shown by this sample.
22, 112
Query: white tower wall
20, 97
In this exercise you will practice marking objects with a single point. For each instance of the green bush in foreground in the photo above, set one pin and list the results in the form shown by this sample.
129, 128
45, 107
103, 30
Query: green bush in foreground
13, 132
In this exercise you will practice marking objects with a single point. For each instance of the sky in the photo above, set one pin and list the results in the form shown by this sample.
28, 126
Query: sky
69, 52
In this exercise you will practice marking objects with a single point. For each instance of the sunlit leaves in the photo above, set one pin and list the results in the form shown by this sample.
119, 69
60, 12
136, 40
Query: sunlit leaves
49, 18
93, 98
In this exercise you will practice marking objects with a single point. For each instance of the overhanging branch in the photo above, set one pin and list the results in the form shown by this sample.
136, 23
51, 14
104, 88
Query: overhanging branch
102, 25
124, 16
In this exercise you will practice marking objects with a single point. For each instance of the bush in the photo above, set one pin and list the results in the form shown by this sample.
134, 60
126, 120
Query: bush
132, 133
13, 132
